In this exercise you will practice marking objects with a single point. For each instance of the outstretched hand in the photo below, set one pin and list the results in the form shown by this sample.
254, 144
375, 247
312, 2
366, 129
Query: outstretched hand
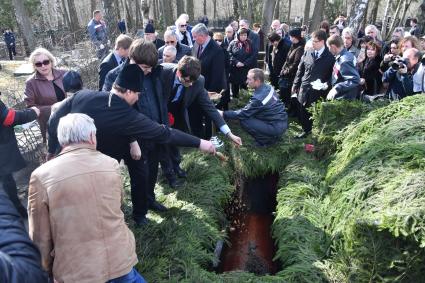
207, 147
235, 139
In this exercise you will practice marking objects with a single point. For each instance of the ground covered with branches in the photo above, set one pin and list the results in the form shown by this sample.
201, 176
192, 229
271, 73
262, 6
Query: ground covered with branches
352, 211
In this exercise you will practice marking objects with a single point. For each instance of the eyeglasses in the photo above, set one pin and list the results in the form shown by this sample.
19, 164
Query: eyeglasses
170, 42
182, 26
45, 63
187, 80
219, 40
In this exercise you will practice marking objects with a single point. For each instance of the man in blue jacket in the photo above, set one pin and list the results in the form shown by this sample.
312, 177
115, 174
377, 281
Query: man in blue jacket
345, 77
264, 117
20, 260
99, 34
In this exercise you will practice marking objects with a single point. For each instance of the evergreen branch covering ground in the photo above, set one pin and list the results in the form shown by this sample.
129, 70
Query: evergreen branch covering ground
352, 212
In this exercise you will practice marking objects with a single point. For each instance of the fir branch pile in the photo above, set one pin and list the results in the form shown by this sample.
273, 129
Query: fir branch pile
352, 212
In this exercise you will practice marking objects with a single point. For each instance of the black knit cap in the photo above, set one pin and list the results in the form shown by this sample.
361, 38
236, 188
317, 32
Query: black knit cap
295, 32
149, 28
72, 81
129, 78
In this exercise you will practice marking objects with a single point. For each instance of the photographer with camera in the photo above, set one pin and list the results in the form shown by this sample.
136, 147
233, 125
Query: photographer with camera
393, 52
399, 77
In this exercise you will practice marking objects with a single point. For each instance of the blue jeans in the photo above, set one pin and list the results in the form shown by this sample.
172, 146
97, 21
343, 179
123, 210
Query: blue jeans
132, 277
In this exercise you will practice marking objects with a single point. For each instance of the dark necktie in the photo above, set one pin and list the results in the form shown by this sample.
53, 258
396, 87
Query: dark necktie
122, 60
177, 90
199, 51
316, 55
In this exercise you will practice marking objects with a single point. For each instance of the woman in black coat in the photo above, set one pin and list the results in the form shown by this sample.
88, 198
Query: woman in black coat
369, 69
289, 69
11, 159
278, 55
242, 58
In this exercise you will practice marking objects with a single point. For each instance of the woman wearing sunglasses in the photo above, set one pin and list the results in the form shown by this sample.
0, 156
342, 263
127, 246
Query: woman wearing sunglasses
44, 88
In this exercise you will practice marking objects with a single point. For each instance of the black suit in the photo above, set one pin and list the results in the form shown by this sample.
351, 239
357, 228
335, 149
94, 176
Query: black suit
108, 63
309, 70
213, 69
194, 96
117, 124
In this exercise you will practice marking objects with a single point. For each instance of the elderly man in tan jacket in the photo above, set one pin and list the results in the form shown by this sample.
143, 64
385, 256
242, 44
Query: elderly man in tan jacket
75, 215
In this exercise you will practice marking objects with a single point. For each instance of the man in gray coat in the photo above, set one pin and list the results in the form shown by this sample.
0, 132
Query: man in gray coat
264, 117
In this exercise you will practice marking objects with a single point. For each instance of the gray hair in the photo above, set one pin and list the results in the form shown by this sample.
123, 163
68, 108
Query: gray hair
244, 21
350, 32
399, 29
171, 49
228, 28
200, 29
75, 128
373, 27
169, 33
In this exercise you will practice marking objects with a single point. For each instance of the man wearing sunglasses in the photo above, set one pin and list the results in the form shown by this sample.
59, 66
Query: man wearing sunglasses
171, 38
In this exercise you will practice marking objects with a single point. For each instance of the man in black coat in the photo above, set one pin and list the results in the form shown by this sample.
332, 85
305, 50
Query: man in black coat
315, 66
170, 38
150, 35
153, 104
118, 123
10, 41
115, 58
20, 260
212, 68
11, 159
184, 86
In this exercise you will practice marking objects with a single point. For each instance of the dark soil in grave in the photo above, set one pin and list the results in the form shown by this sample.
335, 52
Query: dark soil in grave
251, 246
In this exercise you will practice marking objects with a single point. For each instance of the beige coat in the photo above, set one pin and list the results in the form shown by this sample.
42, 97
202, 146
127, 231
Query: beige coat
75, 217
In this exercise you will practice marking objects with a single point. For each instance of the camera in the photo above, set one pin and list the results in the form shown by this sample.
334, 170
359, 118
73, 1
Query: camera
399, 63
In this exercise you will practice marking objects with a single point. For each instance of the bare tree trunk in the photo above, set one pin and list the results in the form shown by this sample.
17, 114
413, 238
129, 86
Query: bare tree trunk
241, 9
357, 14
139, 20
289, 11
180, 7
168, 12
385, 20
236, 9
73, 17
317, 15
205, 7
110, 12
145, 11
268, 9
215, 9
394, 21
276, 10
421, 14
405, 7
190, 9
373, 11
60, 14
155, 9
249, 13
129, 22
92, 5
66, 14
306, 17
23, 20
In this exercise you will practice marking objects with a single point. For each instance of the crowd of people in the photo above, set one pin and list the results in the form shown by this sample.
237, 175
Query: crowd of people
154, 96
